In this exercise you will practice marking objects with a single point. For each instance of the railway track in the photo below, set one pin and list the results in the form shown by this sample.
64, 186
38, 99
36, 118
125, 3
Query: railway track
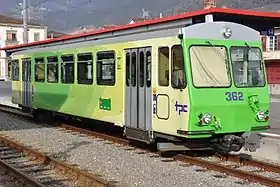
238, 166
9, 173
36, 169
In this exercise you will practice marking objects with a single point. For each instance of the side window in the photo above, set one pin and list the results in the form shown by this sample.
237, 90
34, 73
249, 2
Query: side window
142, 69
106, 68
163, 66
26, 72
178, 74
15, 70
133, 69
127, 69
52, 69
39, 70
85, 70
148, 68
67, 69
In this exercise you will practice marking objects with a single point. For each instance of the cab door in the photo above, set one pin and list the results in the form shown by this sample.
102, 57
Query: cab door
171, 104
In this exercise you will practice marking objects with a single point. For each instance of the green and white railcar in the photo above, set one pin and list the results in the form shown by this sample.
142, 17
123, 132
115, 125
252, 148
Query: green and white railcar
201, 85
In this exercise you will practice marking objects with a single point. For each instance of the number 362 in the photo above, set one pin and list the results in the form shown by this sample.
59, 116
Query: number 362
234, 96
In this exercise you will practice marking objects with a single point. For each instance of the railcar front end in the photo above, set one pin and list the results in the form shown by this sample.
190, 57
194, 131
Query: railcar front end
227, 85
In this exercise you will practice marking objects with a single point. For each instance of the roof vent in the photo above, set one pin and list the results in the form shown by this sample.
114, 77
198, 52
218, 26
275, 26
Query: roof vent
208, 18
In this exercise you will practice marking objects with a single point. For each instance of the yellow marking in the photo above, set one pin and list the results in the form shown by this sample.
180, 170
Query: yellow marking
154, 91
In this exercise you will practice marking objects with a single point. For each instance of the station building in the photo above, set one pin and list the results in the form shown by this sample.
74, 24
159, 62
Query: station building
11, 33
267, 23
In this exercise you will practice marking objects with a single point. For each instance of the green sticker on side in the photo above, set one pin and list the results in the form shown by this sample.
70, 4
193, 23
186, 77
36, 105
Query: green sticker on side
105, 104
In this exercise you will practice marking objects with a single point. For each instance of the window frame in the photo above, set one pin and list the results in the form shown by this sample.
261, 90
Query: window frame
184, 68
66, 62
262, 64
12, 61
127, 68
57, 63
29, 77
35, 63
141, 81
88, 81
229, 70
14, 37
148, 82
158, 68
101, 82
36, 34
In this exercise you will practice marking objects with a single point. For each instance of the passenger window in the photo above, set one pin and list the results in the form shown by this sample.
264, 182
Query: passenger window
133, 69
15, 70
178, 74
67, 69
52, 69
142, 69
127, 69
149, 68
85, 70
106, 68
39, 69
163, 66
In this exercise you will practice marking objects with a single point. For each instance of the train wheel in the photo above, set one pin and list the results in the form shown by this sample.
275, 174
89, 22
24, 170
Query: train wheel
35, 114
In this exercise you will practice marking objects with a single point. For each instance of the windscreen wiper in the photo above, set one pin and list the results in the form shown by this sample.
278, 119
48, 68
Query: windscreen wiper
218, 52
248, 45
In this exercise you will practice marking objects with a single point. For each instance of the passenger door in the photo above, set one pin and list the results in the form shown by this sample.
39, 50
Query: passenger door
26, 83
138, 103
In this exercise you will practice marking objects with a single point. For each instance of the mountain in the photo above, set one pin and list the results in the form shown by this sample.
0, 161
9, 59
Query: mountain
68, 15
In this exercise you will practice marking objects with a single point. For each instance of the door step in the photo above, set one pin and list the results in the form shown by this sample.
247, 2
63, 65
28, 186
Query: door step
181, 146
138, 134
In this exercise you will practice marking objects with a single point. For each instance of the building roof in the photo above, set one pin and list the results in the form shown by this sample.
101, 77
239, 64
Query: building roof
14, 21
55, 34
234, 15
136, 20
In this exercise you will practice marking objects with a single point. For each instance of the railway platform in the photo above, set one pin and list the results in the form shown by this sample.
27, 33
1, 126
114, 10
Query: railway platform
7, 100
269, 150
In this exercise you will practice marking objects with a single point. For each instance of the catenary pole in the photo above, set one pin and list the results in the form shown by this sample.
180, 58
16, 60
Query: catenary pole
25, 25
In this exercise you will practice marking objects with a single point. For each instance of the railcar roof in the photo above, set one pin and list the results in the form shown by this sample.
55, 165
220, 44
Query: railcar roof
255, 19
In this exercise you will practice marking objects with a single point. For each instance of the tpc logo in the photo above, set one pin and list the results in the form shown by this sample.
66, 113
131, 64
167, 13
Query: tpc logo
181, 108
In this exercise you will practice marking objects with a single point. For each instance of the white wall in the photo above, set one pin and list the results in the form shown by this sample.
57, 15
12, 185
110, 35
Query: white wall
19, 36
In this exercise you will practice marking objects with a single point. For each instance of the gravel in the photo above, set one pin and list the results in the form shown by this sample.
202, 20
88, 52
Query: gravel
8, 181
112, 162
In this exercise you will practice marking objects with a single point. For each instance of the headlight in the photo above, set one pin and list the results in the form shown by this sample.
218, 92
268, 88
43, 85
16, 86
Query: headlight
260, 115
207, 118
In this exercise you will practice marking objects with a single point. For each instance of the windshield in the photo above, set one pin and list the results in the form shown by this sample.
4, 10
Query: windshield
247, 67
209, 66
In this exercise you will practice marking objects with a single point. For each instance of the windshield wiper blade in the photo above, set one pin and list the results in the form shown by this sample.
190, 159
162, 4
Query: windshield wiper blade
209, 43
247, 45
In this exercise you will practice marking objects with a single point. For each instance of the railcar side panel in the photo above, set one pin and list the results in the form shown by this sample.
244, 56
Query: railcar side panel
171, 104
168, 105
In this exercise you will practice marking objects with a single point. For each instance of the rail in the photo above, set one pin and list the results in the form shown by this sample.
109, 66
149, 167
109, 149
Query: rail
67, 170
27, 180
